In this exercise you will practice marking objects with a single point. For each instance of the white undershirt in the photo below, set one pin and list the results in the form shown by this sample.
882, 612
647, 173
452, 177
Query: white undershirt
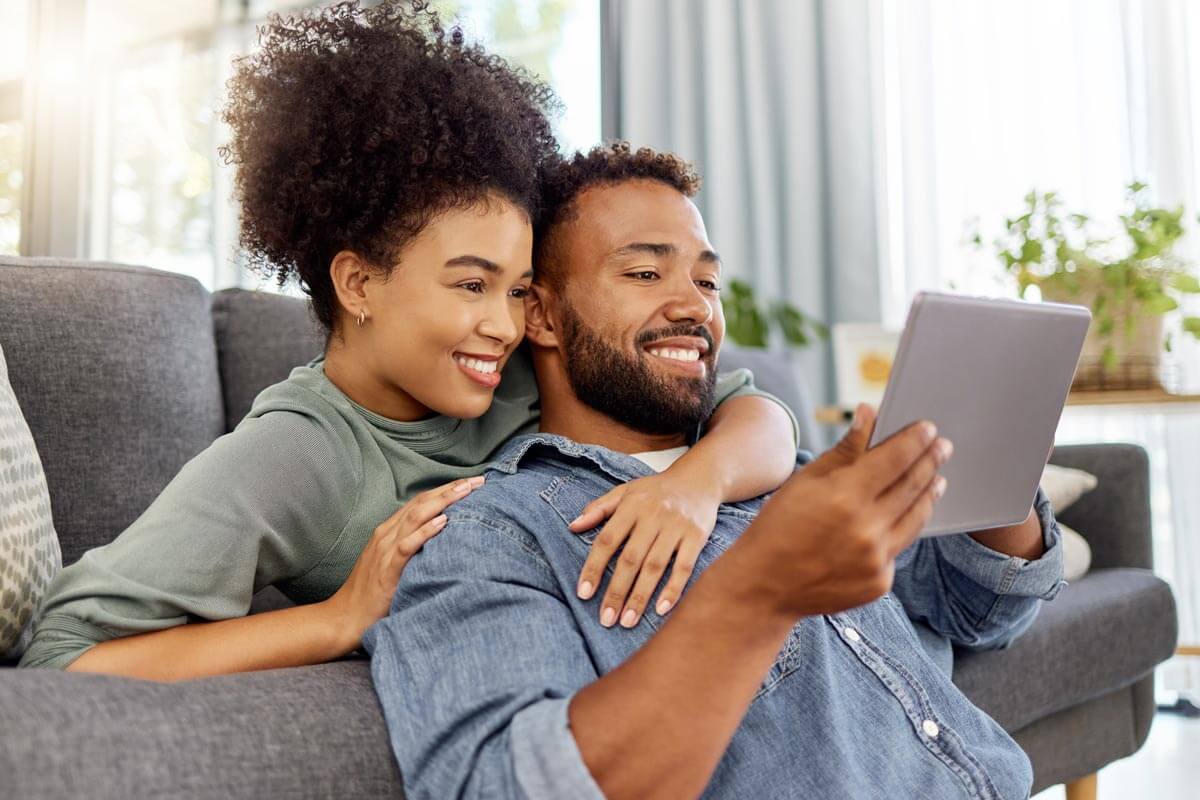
659, 460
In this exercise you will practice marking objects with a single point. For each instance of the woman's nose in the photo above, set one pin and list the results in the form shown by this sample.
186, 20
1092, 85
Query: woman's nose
500, 323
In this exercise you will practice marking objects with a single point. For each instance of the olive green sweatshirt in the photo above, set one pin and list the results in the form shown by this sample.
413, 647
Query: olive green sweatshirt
289, 498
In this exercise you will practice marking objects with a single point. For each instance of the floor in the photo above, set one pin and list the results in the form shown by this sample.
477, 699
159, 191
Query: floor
1166, 768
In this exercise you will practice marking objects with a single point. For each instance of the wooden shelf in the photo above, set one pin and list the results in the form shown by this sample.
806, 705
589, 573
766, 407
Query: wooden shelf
836, 415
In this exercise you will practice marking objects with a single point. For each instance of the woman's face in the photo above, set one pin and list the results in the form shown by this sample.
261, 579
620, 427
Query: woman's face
444, 323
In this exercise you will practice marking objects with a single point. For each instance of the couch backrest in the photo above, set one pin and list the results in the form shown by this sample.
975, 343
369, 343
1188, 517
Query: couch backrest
124, 373
115, 368
260, 337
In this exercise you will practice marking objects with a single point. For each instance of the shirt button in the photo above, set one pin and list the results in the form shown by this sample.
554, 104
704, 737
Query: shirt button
931, 728
851, 634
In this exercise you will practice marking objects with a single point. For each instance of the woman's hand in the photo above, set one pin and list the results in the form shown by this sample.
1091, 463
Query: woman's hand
367, 594
656, 517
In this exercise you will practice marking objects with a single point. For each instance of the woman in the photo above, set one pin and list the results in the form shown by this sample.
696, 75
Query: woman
392, 170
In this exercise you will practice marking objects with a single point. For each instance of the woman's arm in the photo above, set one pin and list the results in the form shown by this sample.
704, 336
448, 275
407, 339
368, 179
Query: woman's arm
749, 449
289, 637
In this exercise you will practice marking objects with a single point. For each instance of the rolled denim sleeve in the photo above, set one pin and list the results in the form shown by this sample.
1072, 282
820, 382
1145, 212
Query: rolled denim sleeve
475, 668
975, 596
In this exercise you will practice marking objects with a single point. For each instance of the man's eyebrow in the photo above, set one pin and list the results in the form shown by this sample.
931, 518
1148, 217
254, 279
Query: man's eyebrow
482, 263
643, 248
659, 249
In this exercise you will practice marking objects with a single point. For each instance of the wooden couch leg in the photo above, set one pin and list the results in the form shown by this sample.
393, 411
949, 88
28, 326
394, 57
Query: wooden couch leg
1082, 789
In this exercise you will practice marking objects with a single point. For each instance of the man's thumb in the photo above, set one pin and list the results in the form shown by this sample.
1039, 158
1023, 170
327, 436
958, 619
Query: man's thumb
855, 442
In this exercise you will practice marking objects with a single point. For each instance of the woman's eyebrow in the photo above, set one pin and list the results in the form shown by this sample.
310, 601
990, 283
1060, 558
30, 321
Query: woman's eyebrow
482, 263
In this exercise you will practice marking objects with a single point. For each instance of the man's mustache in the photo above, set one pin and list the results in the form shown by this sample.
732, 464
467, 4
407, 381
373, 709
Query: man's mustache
697, 331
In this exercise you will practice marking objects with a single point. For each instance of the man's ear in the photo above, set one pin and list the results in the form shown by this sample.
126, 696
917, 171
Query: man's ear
349, 274
541, 327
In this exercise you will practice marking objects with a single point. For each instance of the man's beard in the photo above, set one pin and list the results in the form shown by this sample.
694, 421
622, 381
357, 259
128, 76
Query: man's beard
626, 388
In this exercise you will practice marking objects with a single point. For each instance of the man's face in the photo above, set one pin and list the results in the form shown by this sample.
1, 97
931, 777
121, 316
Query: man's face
640, 315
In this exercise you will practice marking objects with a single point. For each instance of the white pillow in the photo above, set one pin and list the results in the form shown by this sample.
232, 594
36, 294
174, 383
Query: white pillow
1063, 486
29, 553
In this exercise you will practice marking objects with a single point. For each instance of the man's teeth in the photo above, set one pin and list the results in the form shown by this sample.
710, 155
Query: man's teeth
486, 367
678, 355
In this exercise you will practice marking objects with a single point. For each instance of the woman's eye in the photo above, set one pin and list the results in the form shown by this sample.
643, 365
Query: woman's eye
712, 287
472, 286
519, 291
644, 275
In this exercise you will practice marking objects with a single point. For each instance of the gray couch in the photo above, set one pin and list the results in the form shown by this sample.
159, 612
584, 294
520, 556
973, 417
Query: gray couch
124, 373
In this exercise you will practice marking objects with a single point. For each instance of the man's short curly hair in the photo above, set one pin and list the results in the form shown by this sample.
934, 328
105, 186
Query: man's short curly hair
565, 179
354, 127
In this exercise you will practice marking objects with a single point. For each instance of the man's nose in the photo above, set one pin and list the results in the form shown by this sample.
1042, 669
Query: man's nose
688, 304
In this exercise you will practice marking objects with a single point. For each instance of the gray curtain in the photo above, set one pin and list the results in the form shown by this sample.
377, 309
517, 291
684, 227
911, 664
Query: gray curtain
772, 100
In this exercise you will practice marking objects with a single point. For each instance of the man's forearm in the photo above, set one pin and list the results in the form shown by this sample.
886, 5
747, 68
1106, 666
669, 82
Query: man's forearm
1025, 539
658, 725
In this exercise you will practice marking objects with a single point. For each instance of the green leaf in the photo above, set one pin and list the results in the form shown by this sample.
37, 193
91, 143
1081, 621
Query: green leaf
1106, 325
1159, 304
1192, 326
1185, 283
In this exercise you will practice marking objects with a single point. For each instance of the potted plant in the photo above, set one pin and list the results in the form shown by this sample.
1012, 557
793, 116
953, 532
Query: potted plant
1129, 281
749, 323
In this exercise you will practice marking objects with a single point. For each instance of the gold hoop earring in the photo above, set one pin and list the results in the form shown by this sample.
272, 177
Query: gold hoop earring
362, 317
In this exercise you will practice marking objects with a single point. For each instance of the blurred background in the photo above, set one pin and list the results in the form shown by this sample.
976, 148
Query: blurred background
853, 152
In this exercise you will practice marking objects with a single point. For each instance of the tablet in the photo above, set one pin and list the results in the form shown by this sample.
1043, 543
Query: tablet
993, 375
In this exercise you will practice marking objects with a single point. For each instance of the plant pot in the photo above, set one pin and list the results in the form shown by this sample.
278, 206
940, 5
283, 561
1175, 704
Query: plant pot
1138, 350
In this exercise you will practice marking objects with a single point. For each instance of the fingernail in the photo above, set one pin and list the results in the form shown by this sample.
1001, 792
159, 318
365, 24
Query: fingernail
461, 487
939, 487
478, 480
945, 449
856, 420
440, 521
928, 431
585, 590
663, 607
608, 617
629, 618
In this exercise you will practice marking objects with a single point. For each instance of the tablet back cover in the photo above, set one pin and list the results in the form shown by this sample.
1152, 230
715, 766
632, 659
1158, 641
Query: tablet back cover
993, 375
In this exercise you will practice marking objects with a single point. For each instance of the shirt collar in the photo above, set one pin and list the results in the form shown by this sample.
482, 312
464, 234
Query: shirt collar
621, 466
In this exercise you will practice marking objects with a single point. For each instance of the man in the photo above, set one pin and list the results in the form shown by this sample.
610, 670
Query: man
791, 667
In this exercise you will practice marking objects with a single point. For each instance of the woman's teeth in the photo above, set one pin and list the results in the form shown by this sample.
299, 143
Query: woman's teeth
486, 367
678, 355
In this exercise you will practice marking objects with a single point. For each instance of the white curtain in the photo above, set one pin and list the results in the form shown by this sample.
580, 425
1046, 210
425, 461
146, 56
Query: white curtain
980, 101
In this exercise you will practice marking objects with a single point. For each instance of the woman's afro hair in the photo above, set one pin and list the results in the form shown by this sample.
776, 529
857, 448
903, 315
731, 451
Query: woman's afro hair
352, 128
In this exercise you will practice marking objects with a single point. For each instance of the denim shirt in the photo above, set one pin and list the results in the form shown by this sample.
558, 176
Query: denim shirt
486, 644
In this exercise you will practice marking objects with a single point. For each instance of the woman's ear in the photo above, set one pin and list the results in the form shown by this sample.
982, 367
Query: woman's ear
349, 274
540, 327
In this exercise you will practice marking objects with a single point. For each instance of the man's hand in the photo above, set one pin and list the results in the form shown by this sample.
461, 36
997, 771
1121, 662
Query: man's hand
828, 539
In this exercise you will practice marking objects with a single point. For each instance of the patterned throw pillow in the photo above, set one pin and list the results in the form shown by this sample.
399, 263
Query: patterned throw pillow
29, 553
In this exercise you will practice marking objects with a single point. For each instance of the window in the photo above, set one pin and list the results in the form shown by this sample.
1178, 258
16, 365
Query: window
160, 195
12, 62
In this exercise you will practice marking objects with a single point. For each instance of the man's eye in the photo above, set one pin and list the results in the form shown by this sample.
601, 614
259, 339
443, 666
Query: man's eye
712, 287
472, 286
644, 275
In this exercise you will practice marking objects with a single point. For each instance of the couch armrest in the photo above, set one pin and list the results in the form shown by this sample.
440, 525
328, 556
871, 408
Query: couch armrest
1115, 516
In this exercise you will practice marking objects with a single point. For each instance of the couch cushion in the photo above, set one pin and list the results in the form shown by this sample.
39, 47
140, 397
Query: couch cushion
116, 370
1100, 634
260, 338
305, 732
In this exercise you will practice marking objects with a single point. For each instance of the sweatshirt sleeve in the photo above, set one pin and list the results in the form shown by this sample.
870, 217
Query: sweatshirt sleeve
260, 505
